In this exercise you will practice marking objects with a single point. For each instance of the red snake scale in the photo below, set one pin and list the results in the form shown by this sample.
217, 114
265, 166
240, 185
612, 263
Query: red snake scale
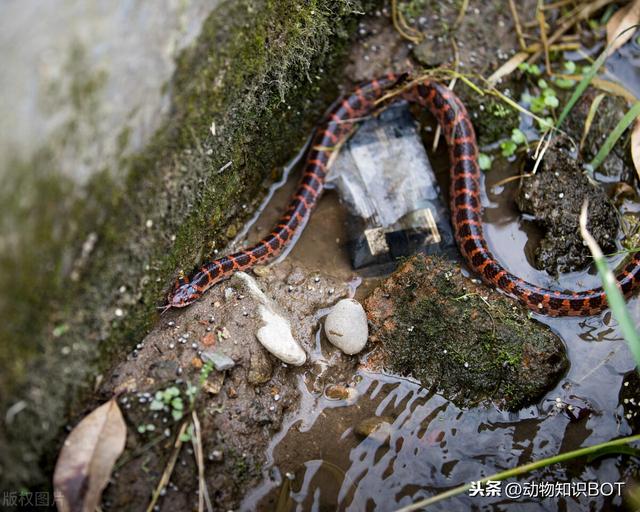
466, 210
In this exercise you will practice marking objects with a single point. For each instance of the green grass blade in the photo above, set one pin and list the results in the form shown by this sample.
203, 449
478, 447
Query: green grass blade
520, 470
613, 137
614, 295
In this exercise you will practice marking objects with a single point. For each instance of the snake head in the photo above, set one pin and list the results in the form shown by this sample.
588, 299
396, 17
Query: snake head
182, 295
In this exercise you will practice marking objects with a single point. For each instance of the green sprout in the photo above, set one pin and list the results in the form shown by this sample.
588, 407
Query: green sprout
484, 161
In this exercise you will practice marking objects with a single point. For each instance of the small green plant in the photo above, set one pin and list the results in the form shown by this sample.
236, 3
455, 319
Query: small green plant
188, 434
169, 400
509, 146
142, 429
484, 161
531, 69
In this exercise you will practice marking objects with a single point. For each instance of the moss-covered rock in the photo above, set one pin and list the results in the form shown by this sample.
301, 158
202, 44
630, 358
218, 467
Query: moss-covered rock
460, 338
244, 99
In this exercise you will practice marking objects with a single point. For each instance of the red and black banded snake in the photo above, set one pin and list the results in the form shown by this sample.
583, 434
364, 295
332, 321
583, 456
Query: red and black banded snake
466, 209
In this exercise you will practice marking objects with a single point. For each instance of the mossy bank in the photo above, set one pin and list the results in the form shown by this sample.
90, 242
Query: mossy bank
244, 98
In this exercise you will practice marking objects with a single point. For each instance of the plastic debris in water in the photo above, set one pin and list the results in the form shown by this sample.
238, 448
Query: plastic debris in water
386, 180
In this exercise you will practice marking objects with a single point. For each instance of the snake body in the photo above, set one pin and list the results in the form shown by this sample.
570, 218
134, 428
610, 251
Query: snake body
466, 209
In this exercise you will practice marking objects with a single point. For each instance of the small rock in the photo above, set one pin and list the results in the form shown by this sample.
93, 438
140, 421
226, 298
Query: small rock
220, 361
228, 293
214, 383
296, 277
276, 334
261, 270
277, 338
208, 339
346, 326
216, 456
376, 427
260, 368
163, 370
337, 392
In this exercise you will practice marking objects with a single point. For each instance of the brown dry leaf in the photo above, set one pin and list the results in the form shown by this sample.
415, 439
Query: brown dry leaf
635, 146
623, 19
87, 458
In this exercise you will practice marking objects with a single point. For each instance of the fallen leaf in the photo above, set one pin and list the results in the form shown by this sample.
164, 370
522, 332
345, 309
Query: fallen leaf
622, 21
635, 146
87, 458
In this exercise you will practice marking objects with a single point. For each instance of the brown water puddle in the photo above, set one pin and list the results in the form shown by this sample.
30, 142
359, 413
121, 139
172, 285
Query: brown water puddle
318, 462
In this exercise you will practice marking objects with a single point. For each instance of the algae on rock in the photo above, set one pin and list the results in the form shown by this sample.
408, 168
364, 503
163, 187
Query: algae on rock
461, 338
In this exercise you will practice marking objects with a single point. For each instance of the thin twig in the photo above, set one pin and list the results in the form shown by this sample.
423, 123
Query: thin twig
461, 13
516, 21
570, 20
401, 25
196, 440
168, 470
452, 84
542, 22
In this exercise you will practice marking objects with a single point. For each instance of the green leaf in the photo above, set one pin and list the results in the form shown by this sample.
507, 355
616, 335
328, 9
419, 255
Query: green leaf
538, 105
484, 161
542, 83
508, 148
177, 415
518, 136
176, 403
565, 83
570, 67
551, 101
545, 123
157, 405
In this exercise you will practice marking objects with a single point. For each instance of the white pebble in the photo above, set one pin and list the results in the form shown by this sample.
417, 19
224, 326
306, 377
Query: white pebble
346, 326
275, 335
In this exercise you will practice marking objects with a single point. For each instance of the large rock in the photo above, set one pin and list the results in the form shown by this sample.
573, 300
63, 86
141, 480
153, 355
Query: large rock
461, 338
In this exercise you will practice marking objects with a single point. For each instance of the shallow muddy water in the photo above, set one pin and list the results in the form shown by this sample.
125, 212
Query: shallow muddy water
318, 462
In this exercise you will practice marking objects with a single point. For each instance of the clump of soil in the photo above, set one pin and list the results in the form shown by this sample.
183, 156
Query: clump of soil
468, 342
554, 197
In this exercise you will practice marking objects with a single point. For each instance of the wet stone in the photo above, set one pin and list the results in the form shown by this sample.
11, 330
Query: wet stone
470, 350
376, 427
220, 361
260, 368
163, 370
554, 196
346, 326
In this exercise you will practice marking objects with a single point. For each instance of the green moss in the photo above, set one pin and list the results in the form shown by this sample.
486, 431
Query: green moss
493, 120
263, 72
470, 347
